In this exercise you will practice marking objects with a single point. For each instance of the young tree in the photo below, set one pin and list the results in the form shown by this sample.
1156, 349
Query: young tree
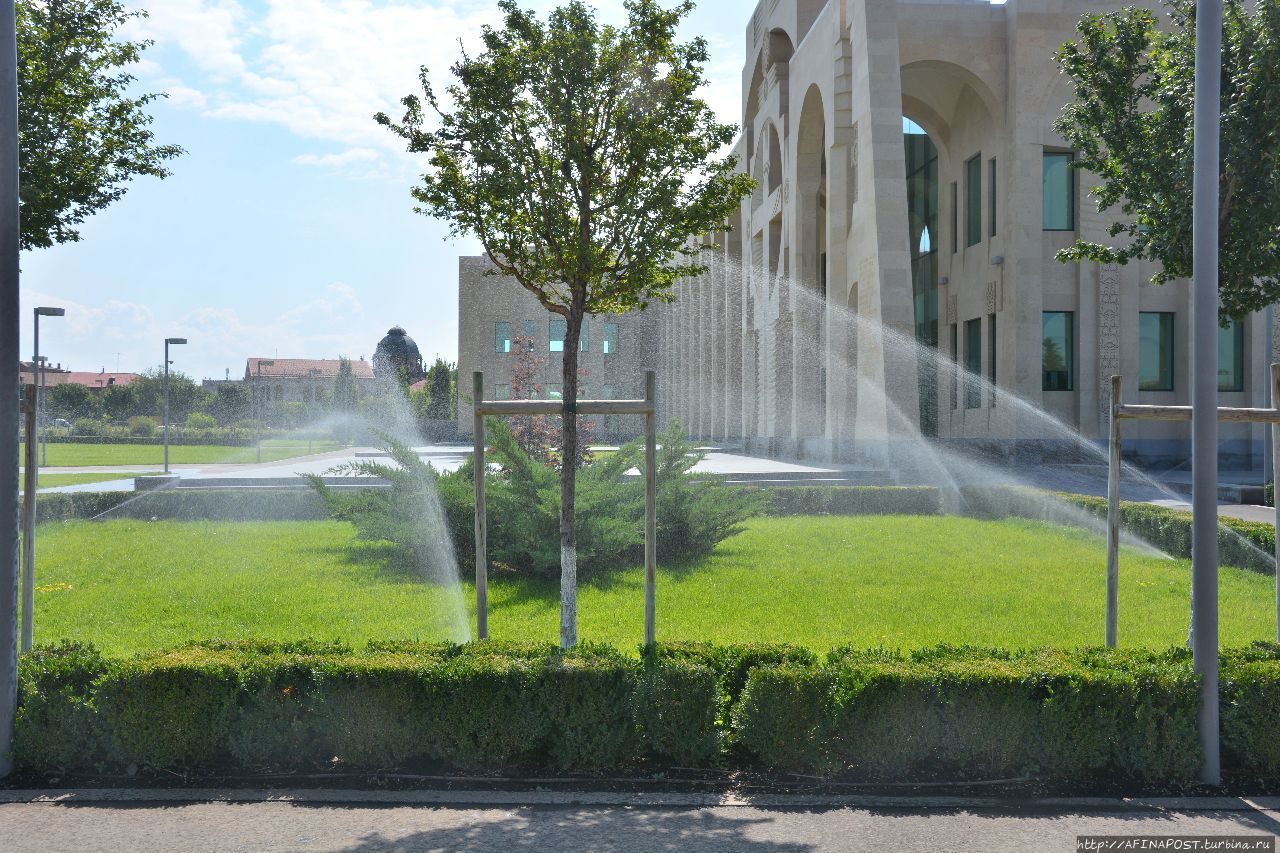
440, 381
583, 159
83, 133
72, 401
1131, 122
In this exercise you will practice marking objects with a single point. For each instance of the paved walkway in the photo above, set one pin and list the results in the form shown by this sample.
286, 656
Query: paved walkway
363, 821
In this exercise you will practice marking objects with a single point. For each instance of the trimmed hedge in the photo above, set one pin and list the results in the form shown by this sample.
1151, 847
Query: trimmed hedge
184, 505
853, 500
955, 714
1244, 544
177, 438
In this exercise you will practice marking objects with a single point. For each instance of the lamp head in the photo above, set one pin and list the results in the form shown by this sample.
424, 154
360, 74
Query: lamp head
46, 311
175, 340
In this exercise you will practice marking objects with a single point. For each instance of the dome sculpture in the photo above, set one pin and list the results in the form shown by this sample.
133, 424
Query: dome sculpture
397, 353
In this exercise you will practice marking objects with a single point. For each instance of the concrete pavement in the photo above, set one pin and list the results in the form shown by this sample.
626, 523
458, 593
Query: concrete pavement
548, 821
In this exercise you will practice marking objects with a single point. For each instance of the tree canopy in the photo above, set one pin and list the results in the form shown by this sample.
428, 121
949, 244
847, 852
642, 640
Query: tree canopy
83, 134
1131, 124
583, 159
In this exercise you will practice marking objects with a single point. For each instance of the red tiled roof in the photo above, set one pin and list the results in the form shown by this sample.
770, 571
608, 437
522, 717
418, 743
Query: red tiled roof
87, 378
300, 368
419, 385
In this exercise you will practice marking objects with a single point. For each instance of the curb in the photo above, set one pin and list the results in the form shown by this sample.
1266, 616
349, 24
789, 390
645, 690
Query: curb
88, 796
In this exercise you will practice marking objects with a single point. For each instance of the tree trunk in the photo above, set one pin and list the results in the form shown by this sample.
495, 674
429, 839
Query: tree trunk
568, 481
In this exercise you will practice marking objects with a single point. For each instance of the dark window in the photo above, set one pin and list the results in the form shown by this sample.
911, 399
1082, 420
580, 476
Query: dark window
973, 363
955, 218
991, 197
1155, 351
1059, 359
955, 368
502, 337
555, 334
1059, 191
583, 346
1231, 357
973, 200
991, 355
528, 328
610, 338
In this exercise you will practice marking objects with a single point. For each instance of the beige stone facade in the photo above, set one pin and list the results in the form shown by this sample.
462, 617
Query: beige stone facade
779, 345
493, 311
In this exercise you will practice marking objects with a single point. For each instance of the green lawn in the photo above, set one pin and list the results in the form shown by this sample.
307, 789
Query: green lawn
47, 481
75, 454
820, 582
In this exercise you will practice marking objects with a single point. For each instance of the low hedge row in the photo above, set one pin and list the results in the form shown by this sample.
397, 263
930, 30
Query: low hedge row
1244, 544
853, 500
939, 714
176, 439
184, 505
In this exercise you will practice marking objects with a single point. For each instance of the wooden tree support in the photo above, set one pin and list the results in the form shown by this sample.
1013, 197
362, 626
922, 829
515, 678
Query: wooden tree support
508, 408
1120, 411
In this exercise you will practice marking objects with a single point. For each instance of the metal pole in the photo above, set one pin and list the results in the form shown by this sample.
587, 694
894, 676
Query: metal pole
1275, 459
9, 355
1113, 516
36, 377
650, 506
1204, 361
29, 521
40, 413
166, 405
482, 544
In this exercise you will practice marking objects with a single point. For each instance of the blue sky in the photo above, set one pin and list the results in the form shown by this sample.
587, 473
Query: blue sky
287, 229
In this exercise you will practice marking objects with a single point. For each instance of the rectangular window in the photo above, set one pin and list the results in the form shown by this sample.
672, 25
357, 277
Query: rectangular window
955, 367
1155, 351
610, 338
1231, 357
973, 363
1058, 369
1059, 191
552, 390
609, 392
528, 328
991, 355
973, 200
955, 218
502, 392
991, 198
555, 334
582, 338
502, 337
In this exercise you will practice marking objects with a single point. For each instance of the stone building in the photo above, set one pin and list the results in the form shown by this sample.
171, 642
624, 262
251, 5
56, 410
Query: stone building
301, 380
494, 311
396, 355
912, 190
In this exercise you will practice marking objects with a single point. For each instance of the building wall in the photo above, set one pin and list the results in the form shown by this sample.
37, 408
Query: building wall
485, 299
759, 350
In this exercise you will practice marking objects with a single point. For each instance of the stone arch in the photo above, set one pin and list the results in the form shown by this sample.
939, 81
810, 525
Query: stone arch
780, 46
810, 285
773, 161
752, 105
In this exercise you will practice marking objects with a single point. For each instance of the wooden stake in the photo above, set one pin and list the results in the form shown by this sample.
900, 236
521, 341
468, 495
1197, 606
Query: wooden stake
482, 545
650, 506
1113, 516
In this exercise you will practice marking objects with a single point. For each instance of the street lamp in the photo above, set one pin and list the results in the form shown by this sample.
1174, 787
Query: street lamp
167, 342
38, 372
257, 398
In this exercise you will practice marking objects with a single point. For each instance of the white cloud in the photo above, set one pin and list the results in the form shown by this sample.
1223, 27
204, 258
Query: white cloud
351, 155
322, 68
90, 336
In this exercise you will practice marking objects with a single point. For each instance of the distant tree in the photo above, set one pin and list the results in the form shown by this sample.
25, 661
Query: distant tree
441, 380
72, 402
231, 403
84, 132
1130, 124
345, 394
117, 402
185, 396
583, 159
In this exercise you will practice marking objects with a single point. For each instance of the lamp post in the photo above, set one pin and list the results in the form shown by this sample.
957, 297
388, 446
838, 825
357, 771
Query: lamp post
167, 342
37, 368
315, 374
257, 397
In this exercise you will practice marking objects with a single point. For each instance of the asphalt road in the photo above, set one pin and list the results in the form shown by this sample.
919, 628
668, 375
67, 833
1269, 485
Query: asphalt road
271, 826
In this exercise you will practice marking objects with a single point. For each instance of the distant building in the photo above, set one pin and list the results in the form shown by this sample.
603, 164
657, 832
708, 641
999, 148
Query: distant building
300, 380
615, 350
57, 375
397, 354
